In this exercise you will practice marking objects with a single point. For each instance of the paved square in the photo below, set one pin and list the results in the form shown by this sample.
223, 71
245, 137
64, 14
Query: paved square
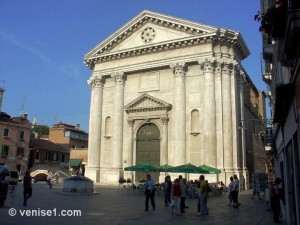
113, 206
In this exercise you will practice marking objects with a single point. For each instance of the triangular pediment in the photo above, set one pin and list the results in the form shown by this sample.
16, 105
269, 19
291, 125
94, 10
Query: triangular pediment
152, 32
149, 29
145, 103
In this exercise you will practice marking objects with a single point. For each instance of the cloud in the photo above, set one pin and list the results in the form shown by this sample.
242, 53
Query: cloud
11, 39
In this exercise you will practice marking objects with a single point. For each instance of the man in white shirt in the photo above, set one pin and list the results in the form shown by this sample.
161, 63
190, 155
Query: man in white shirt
149, 192
235, 191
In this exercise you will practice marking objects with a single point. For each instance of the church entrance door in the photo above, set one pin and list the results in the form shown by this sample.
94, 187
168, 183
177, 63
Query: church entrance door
148, 149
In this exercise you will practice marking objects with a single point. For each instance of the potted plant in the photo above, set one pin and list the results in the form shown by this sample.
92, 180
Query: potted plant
122, 180
273, 20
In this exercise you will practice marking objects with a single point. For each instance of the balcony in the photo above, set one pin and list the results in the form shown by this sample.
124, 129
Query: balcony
267, 78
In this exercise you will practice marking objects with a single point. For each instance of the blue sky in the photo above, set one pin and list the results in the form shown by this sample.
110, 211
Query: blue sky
43, 44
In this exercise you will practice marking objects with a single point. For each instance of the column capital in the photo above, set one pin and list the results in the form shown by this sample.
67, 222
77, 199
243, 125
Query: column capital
179, 68
96, 81
165, 120
119, 77
208, 64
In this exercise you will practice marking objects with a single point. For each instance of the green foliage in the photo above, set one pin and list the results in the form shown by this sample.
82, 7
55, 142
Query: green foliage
122, 180
41, 129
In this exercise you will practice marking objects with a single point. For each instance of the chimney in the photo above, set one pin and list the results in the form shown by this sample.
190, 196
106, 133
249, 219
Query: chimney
24, 115
77, 126
1, 97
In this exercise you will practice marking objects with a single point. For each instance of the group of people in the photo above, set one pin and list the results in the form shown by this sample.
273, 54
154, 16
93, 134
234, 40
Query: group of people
175, 194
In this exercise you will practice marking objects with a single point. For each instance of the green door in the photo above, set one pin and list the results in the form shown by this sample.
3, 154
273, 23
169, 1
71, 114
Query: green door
148, 149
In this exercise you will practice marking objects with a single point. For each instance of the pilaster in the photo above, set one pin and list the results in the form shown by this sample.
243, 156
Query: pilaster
235, 71
96, 83
219, 115
118, 118
130, 142
179, 72
208, 66
227, 115
164, 141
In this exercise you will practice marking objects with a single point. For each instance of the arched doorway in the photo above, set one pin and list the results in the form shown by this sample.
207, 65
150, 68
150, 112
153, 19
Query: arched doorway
148, 149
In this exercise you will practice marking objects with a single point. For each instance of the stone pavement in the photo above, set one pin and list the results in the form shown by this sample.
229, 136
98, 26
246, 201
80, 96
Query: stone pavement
112, 206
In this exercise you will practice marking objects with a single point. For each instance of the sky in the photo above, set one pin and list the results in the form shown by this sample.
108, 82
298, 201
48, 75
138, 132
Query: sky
43, 43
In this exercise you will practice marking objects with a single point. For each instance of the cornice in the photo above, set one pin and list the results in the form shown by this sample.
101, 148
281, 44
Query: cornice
151, 48
163, 46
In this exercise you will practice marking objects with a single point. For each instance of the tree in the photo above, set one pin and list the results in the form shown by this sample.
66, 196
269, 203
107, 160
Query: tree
41, 129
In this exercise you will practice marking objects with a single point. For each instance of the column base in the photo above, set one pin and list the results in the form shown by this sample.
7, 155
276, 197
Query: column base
111, 176
246, 178
93, 173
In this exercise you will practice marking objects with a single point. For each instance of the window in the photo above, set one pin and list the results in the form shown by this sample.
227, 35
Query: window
63, 156
4, 151
48, 156
20, 152
54, 156
21, 135
6, 131
37, 155
67, 133
108, 127
195, 122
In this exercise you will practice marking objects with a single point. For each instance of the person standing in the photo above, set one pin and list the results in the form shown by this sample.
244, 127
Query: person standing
167, 190
149, 192
176, 192
276, 192
235, 191
183, 194
230, 193
49, 178
202, 201
27, 188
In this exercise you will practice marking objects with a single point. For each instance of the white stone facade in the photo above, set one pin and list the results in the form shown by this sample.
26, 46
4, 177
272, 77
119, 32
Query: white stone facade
178, 75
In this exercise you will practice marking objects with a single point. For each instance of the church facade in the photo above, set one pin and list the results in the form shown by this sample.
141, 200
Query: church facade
166, 91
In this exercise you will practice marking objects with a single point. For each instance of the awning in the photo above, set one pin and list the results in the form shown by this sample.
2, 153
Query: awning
74, 162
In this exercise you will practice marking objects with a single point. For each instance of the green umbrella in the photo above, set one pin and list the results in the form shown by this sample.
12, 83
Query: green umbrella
187, 168
165, 167
210, 169
146, 167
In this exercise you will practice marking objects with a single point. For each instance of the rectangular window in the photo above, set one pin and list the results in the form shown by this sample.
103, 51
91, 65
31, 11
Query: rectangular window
4, 151
6, 131
48, 156
37, 155
20, 152
54, 156
21, 135
67, 133
63, 156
